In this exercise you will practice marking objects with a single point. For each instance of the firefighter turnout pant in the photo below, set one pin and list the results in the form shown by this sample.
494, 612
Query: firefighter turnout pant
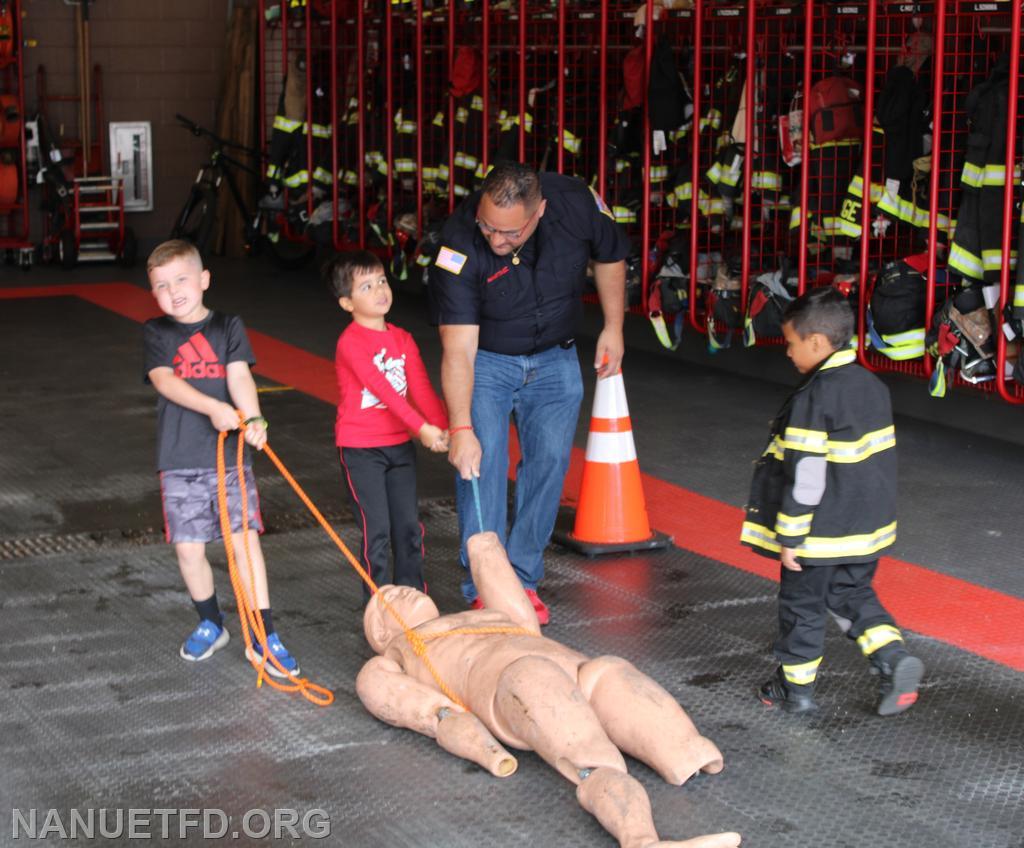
807, 597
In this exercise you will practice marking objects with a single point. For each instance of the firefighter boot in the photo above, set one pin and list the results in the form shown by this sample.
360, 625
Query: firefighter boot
791, 697
899, 676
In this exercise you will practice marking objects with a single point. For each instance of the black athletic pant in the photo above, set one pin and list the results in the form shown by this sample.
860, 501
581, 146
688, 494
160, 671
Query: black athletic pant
806, 597
382, 487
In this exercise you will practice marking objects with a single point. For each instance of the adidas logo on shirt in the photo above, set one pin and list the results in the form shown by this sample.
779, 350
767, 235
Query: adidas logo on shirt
196, 360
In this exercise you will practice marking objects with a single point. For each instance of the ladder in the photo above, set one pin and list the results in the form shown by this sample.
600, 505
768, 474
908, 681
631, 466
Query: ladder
99, 218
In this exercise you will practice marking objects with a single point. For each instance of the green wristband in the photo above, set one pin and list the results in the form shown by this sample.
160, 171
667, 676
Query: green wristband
260, 418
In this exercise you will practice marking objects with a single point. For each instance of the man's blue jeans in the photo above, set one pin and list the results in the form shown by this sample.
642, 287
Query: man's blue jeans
543, 392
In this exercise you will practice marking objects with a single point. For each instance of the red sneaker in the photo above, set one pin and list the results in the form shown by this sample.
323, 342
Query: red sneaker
477, 604
541, 608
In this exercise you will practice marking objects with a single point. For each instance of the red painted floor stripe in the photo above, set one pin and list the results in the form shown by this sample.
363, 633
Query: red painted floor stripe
274, 358
971, 617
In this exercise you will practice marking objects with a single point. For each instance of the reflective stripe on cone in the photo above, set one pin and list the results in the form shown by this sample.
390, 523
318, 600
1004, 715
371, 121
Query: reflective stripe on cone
611, 507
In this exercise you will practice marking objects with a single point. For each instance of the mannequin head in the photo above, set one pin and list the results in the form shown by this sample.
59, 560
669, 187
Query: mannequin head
380, 626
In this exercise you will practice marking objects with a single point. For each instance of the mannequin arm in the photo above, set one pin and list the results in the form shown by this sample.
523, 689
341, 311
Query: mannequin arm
397, 699
496, 581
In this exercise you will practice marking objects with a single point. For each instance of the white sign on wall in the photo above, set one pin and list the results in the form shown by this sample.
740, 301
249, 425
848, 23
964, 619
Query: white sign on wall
131, 158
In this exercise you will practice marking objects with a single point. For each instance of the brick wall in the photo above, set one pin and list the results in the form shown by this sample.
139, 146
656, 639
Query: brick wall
157, 57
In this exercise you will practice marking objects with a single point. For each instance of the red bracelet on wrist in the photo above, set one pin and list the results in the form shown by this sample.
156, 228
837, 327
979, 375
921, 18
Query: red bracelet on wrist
455, 430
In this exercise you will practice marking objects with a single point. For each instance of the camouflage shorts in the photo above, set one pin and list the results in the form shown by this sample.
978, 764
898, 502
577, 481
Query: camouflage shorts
190, 504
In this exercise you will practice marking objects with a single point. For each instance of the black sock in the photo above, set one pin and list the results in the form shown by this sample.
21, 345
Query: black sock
209, 610
268, 620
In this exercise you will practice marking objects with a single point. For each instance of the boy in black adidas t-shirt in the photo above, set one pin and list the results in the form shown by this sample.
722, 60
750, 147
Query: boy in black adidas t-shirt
198, 361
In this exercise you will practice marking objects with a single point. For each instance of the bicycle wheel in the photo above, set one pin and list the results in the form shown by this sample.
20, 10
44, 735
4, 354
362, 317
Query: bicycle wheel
195, 223
289, 254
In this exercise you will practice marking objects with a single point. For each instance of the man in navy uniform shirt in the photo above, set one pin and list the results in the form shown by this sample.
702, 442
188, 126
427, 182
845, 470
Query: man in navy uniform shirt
506, 291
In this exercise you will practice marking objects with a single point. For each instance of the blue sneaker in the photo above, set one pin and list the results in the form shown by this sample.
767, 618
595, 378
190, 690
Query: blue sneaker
287, 661
208, 638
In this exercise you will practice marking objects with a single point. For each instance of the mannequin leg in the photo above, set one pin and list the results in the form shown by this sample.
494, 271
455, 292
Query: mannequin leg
537, 706
645, 721
620, 803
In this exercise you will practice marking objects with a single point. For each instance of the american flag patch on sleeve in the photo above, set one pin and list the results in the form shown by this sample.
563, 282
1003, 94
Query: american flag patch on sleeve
450, 260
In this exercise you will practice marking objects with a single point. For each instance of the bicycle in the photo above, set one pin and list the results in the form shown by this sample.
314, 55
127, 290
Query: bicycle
280, 232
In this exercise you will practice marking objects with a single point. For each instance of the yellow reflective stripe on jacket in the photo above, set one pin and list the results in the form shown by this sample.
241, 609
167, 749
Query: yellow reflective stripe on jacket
992, 260
840, 358
462, 114
509, 121
713, 119
818, 547
477, 103
902, 346
759, 536
869, 445
808, 441
815, 547
297, 179
802, 674
844, 227
766, 180
878, 637
965, 262
322, 175
286, 124
989, 175
405, 126
793, 525
726, 174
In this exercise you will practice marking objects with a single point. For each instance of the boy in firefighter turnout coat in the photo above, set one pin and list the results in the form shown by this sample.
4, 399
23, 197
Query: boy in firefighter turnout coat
823, 501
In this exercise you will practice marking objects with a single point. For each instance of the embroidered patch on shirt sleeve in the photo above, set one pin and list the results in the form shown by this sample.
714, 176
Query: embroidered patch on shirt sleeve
601, 205
450, 260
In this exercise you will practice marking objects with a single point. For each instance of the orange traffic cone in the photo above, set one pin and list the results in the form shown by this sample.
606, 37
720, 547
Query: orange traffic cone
611, 516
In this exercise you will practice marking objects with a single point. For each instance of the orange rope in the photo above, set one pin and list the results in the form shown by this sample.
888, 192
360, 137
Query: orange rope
249, 612
485, 630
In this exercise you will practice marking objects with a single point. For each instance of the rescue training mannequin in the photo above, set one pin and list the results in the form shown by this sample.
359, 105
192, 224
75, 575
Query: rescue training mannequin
531, 693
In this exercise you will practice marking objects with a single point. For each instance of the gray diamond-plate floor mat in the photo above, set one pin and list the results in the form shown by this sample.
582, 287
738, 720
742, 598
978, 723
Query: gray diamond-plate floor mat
100, 713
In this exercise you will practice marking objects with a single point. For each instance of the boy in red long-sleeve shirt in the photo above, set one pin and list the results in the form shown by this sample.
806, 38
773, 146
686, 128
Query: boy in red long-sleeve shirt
384, 394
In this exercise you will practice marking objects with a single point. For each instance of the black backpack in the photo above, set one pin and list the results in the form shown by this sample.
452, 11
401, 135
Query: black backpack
898, 298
